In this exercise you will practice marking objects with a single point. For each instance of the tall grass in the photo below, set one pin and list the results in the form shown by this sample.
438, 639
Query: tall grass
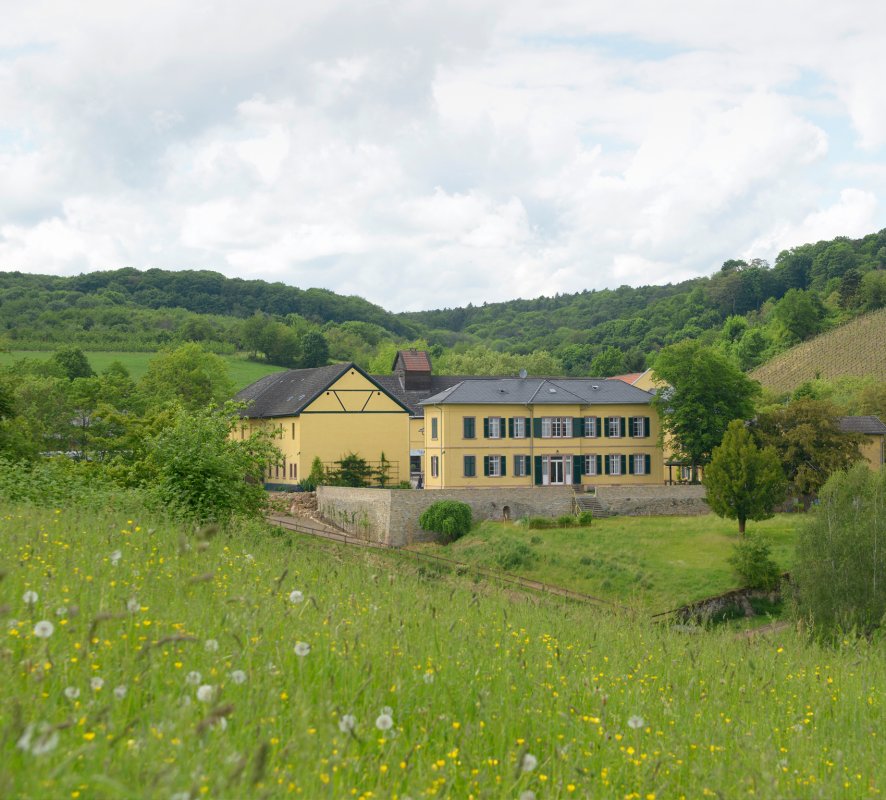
308, 650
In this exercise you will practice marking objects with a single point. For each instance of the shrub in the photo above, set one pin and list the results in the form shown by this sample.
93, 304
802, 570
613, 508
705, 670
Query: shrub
450, 518
585, 518
540, 523
840, 571
516, 556
750, 559
565, 521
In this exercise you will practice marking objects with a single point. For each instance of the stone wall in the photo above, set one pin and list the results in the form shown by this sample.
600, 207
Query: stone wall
391, 515
645, 501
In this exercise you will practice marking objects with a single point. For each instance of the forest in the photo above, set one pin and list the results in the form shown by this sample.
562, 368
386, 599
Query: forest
750, 309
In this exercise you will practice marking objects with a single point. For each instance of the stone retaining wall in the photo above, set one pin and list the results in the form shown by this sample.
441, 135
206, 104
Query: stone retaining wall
645, 501
391, 515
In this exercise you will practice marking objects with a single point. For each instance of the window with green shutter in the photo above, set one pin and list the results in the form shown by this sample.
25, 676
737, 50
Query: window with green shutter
470, 466
537, 468
578, 426
433, 427
469, 427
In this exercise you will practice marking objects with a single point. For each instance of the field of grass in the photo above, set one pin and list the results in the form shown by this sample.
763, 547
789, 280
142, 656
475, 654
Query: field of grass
651, 563
855, 348
242, 371
141, 661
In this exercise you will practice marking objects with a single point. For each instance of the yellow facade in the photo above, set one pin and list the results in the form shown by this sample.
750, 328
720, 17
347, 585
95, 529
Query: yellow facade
351, 416
874, 452
554, 458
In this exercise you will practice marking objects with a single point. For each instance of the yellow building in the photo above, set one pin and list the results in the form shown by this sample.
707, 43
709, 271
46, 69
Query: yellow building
874, 451
540, 432
327, 413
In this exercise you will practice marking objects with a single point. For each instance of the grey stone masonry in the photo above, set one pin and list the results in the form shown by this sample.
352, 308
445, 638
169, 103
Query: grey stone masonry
645, 501
391, 516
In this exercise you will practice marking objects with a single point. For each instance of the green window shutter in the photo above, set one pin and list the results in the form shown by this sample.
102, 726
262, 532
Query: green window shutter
606, 465
485, 427
624, 427
503, 463
434, 428
577, 468
517, 464
648, 464
578, 426
630, 464
606, 426
624, 464
527, 429
599, 465
527, 463
536, 427
486, 466
599, 426
646, 427
503, 428
538, 470
511, 427
468, 427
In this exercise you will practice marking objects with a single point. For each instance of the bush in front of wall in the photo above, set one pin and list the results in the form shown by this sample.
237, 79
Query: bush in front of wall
450, 518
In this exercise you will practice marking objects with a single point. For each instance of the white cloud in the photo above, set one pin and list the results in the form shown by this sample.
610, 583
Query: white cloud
424, 155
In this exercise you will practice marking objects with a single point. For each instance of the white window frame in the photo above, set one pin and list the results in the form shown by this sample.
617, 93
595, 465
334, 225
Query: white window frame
495, 466
556, 427
497, 423
590, 465
519, 427
637, 423
615, 427
614, 463
591, 431
639, 463
435, 466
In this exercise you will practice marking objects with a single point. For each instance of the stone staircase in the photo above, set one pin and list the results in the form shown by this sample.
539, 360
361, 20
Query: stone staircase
589, 502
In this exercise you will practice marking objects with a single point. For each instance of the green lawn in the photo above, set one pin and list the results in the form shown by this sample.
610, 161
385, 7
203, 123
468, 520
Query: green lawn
242, 371
656, 563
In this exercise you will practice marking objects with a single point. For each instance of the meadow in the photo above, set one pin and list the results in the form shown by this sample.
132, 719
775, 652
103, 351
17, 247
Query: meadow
144, 659
649, 563
241, 371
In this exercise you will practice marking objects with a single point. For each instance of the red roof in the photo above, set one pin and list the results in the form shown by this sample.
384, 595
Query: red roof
415, 360
631, 377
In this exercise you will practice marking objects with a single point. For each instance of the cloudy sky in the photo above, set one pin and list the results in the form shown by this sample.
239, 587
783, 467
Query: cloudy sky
429, 154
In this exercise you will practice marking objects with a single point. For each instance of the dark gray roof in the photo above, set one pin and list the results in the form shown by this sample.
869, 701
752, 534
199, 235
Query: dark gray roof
285, 394
540, 391
413, 397
868, 425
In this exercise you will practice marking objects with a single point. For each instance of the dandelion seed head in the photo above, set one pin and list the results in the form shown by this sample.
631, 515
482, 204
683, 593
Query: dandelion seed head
238, 676
302, 648
528, 794
211, 645
30, 597
132, 605
529, 762
61, 611
115, 557
295, 596
388, 710
120, 692
72, 692
96, 684
347, 723
193, 678
45, 741
384, 722
636, 722
44, 629
428, 677
205, 693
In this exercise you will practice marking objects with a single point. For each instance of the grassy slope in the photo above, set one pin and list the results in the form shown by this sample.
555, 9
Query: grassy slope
242, 372
655, 563
855, 348
506, 675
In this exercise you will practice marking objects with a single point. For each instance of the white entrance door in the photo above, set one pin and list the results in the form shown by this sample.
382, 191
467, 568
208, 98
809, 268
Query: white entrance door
556, 468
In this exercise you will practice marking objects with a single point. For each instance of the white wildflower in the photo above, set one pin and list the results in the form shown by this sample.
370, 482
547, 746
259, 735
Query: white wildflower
30, 597
384, 722
61, 611
193, 678
529, 762
238, 676
72, 692
120, 692
295, 596
302, 648
347, 723
205, 693
44, 629
428, 677
636, 722
388, 710
211, 645
132, 605
115, 558
96, 684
